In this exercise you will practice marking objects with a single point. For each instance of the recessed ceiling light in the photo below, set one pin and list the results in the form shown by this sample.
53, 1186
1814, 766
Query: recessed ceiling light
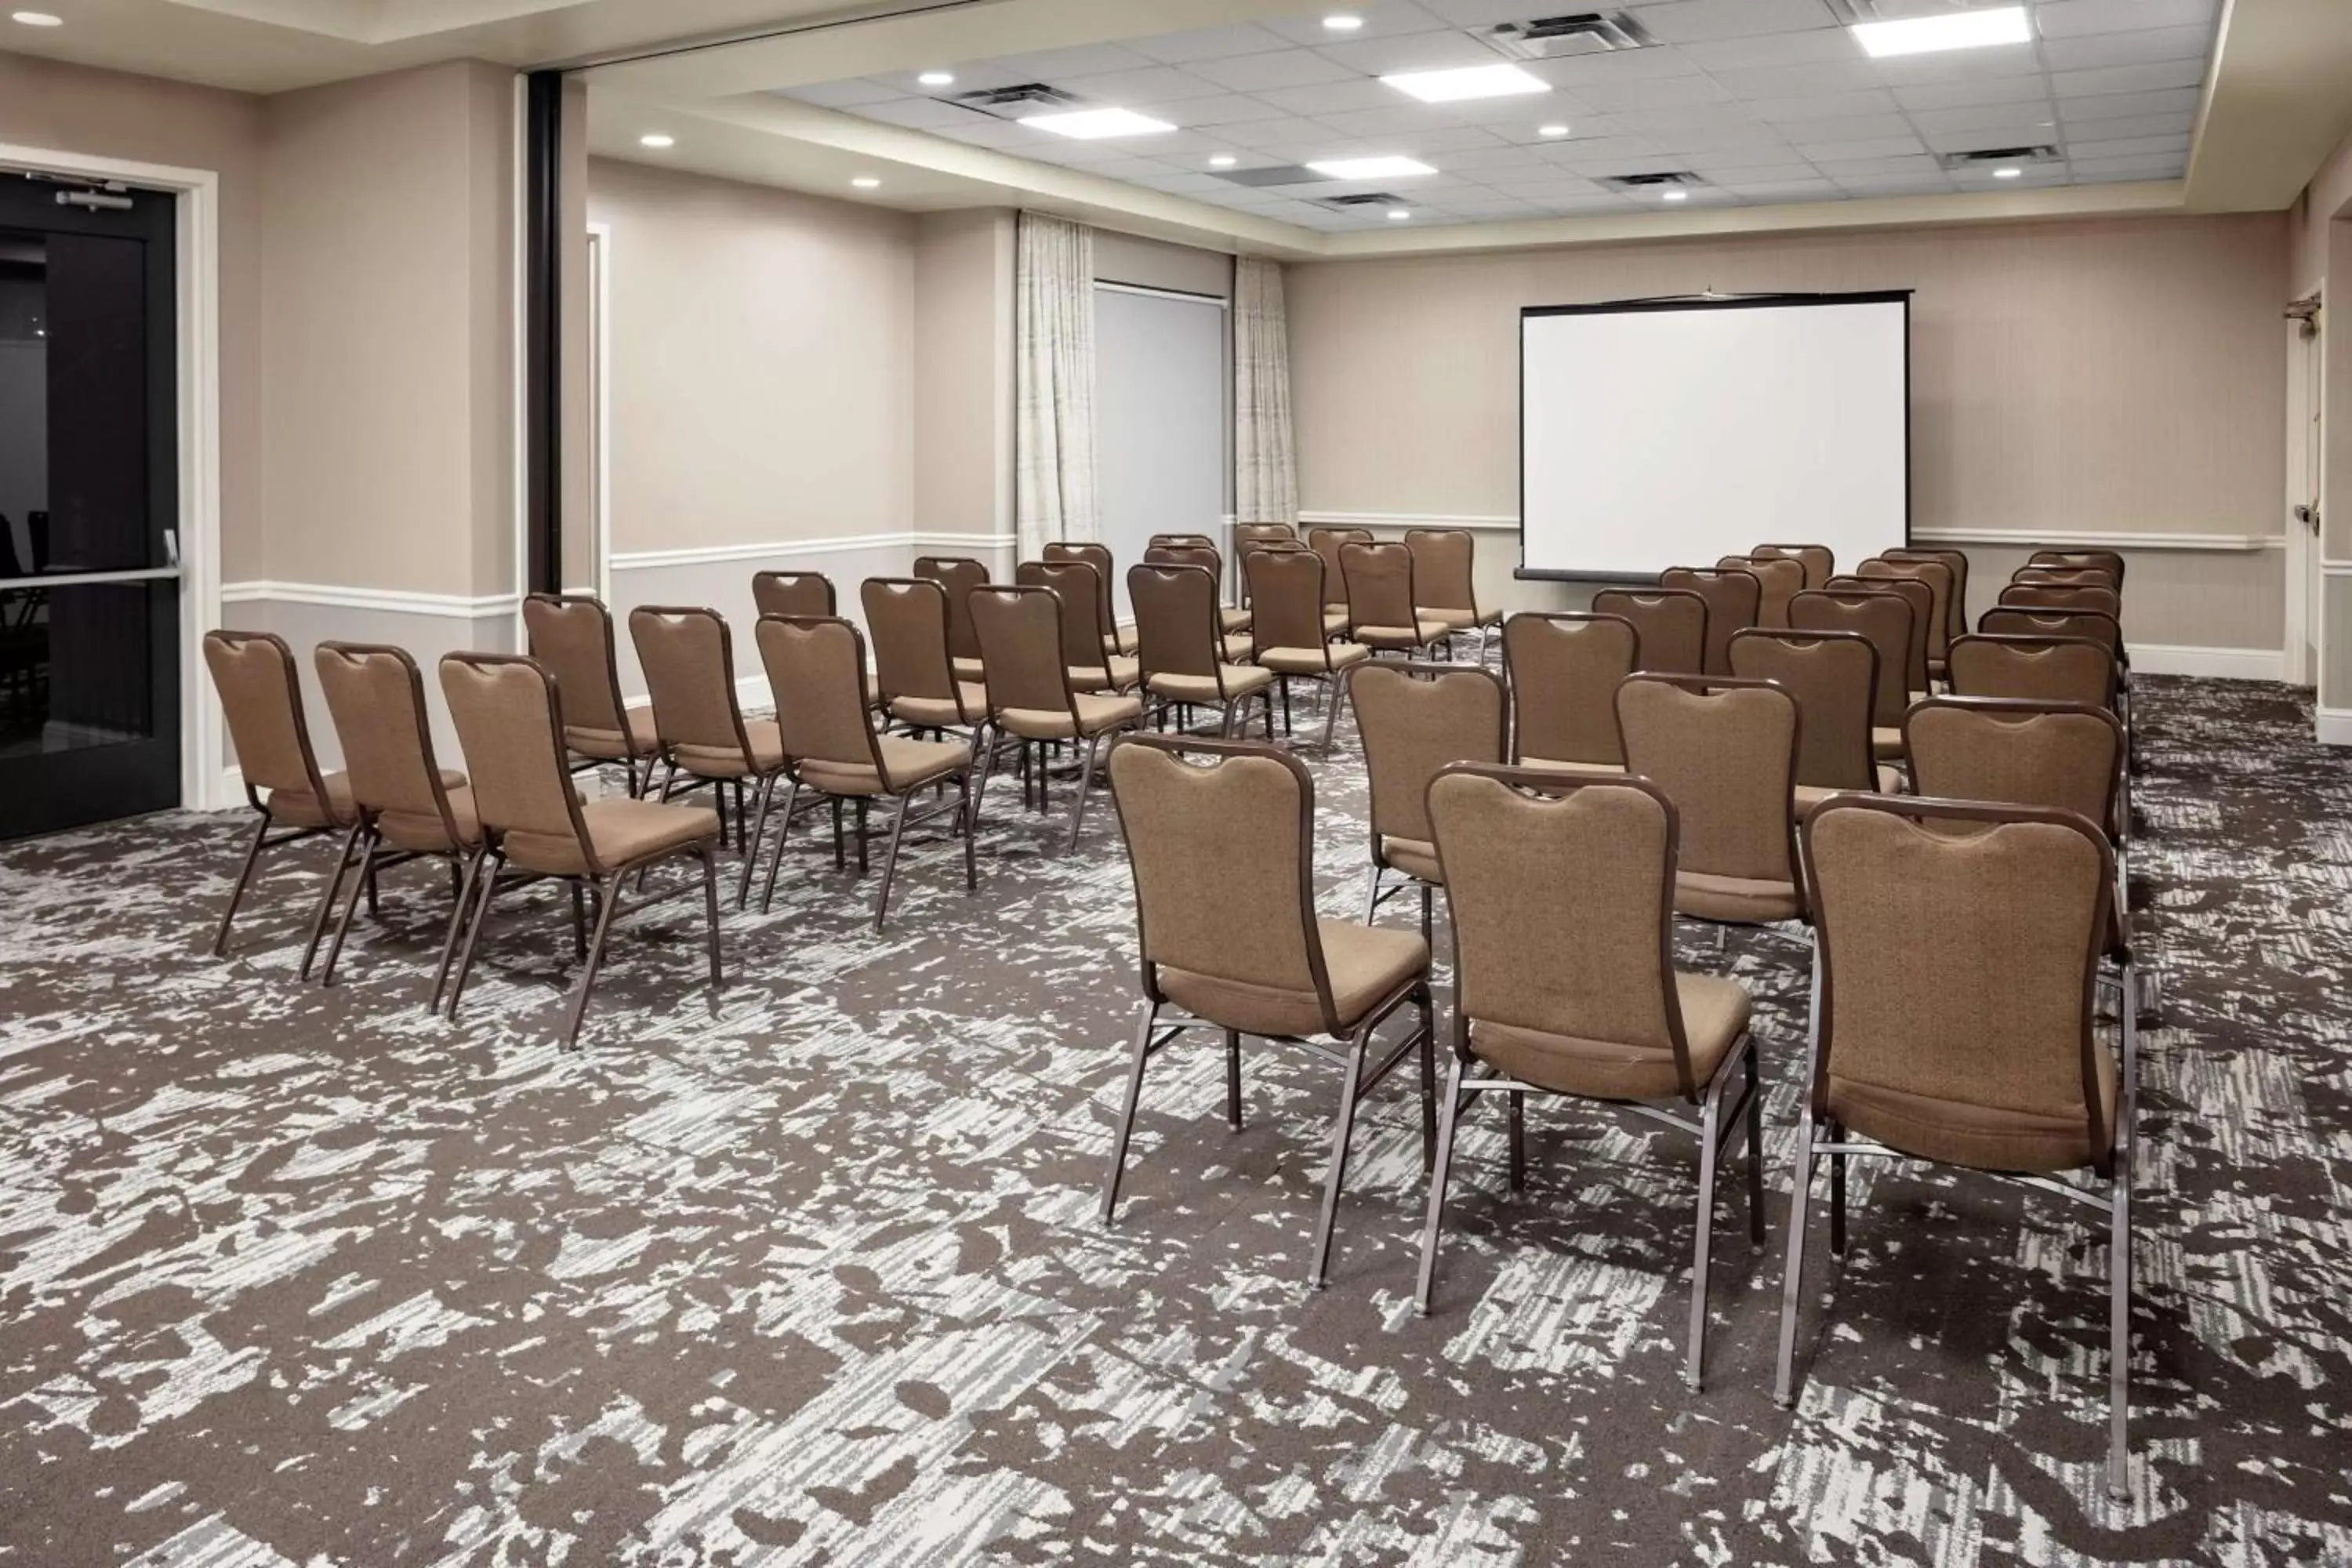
1093, 125
1370, 168
656, 139
1223, 161
1398, 215
1465, 82
867, 183
1677, 196
1341, 21
1944, 30
1554, 132
937, 78
36, 19
2006, 174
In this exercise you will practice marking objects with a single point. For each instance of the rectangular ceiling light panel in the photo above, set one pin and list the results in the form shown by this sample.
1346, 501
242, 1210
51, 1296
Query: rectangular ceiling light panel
1465, 83
1096, 124
1952, 30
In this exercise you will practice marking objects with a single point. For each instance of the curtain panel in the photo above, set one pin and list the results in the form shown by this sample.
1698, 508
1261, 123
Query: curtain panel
1053, 384
1265, 466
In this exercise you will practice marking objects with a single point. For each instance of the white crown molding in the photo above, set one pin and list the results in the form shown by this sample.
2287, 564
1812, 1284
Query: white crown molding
394, 601
2215, 663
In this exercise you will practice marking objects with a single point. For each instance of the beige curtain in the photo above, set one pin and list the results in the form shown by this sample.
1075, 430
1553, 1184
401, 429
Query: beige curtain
1053, 384
1266, 467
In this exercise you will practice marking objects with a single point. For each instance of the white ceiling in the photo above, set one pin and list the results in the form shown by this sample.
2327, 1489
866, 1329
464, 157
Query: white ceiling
1766, 101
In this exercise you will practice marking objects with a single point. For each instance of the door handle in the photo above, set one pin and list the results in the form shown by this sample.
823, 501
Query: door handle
2309, 516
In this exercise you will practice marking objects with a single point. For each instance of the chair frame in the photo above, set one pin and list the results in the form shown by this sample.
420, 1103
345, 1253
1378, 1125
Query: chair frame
261, 841
1641, 599
1331, 677
1382, 888
1230, 702
580, 763
1718, 1130
1516, 748
1818, 1138
1161, 1021
751, 825
1027, 749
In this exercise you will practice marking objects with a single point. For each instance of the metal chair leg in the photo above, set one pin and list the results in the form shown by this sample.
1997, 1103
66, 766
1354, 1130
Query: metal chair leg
1754, 1152
1428, 1080
969, 812
1447, 1115
368, 842
776, 856
1342, 1126
2119, 1268
1127, 1112
1793, 1273
763, 798
889, 860
1085, 782
608, 904
327, 899
487, 889
1234, 1079
1518, 1140
710, 911
579, 921
1837, 1194
1710, 1127
985, 744
457, 923
244, 880
1331, 694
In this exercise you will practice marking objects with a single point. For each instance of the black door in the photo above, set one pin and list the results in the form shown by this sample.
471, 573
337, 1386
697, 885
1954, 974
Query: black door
90, 578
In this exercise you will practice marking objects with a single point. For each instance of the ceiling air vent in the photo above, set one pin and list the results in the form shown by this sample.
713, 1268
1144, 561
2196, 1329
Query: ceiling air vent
1648, 181
1361, 199
1977, 157
1012, 102
1582, 33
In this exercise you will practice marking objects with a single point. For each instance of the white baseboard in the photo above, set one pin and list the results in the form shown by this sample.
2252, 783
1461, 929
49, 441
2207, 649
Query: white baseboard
2336, 726
2219, 663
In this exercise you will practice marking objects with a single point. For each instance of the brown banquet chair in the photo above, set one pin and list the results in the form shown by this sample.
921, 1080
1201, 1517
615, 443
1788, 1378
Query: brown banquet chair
959, 574
1445, 581
1185, 658
1735, 598
1833, 677
1084, 636
1937, 576
1780, 579
1671, 624
1413, 720
688, 659
1819, 561
1562, 672
1287, 596
793, 594
1725, 751
1383, 603
1118, 639
1884, 619
571, 634
2056, 670
913, 670
2111, 560
1033, 695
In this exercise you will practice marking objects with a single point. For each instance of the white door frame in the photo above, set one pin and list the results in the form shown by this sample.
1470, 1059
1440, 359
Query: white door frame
206, 782
599, 388
2305, 552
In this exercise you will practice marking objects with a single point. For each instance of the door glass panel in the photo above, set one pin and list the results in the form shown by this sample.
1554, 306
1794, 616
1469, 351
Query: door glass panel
76, 665
23, 402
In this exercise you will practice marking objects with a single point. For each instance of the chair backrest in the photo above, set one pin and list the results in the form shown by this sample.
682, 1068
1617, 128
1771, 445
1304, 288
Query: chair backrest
1223, 857
1959, 946
1780, 578
1176, 627
376, 697
1380, 587
1444, 564
2067, 576
1287, 601
1203, 555
1263, 533
1561, 898
1819, 560
1956, 607
261, 697
1028, 629
909, 619
1725, 751
1672, 623
508, 716
1915, 592
2067, 756
1938, 578
688, 659
793, 594
1563, 671
2110, 559
1158, 541
1413, 720
2064, 596
816, 667
1080, 590
1834, 676
1883, 620
959, 574
1734, 598
1326, 543
2030, 621
571, 634
2050, 669
1095, 555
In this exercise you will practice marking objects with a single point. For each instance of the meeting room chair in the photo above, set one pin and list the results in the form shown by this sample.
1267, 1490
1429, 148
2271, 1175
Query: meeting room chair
913, 670
1883, 620
1120, 639
1562, 671
1287, 596
1819, 561
405, 805
571, 634
1249, 536
1084, 638
1834, 676
1780, 579
1444, 583
2056, 670
1561, 896
2064, 597
1916, 681
1671, 625
1383, 603
1937, 576
1034, 696
1191, 550
261, 697
1223, 858
688, 659
2067, 576
1954, 1023
816, 667
1413, 720
959, 574
510, 721
2037, 621
801, 593
1187, 661
1725, 751
1734, 600
1956, 607
2110, 559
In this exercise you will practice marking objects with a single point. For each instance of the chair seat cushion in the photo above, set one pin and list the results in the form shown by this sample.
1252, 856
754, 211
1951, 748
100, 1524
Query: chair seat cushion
1335, 619
940, 713
1118, 673
1401, 637
1312, 661
728, 762
1703, 896
1574, 769
1240, 681
1984, 1137
623, 832
1452, 620
1363, 964
967, 669
610, 745
1887, 745
1715, 1015
1239, 648
908, 762
1233, 619
1096, 711
1123, 639
1413, 856
299, 808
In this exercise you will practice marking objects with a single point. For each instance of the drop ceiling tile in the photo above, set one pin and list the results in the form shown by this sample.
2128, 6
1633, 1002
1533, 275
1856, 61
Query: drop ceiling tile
2145, 46
1002, 134
921, 113
2142, 168
1529, 132
1184, 185
1063, 150
1987, 136
1649, 163
848, 94
1381, 19
1338, 97
1608, 154
1871, 147
1479, 13
2129, 105
1450, 142
1573, 72
2073, 18
1084, 59
1844, 169
1550, 190
1770, 191
1898, 185
1130, 168
2128, 78
1226, 109
1287, 68
1752, 143
1139, 88
1862, 128
1722, 171
1264, 134
1493, 209
2033, 88
1799, 81
1822, 106
1485, 158
1977, 117
1210, 44
2130, 126
1815, 46
1520, 110
1692, 21
1390, 119
1688, 117
1656, 92
1409, 52
2129, 147
1959, 65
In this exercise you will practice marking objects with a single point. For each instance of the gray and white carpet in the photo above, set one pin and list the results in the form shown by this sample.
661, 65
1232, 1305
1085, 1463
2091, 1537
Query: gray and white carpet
293, 1276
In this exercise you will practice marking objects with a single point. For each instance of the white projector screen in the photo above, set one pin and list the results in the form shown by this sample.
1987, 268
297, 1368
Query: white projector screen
1671, 433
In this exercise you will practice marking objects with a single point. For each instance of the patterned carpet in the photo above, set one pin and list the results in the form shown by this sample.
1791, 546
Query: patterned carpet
291, 1275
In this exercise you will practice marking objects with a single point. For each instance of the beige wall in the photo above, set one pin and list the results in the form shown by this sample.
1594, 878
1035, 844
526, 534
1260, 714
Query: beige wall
2108, 376
68, 108
963, 372
1155, 264
762, 370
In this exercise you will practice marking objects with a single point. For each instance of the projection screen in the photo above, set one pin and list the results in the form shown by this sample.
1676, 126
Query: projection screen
1664, 433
